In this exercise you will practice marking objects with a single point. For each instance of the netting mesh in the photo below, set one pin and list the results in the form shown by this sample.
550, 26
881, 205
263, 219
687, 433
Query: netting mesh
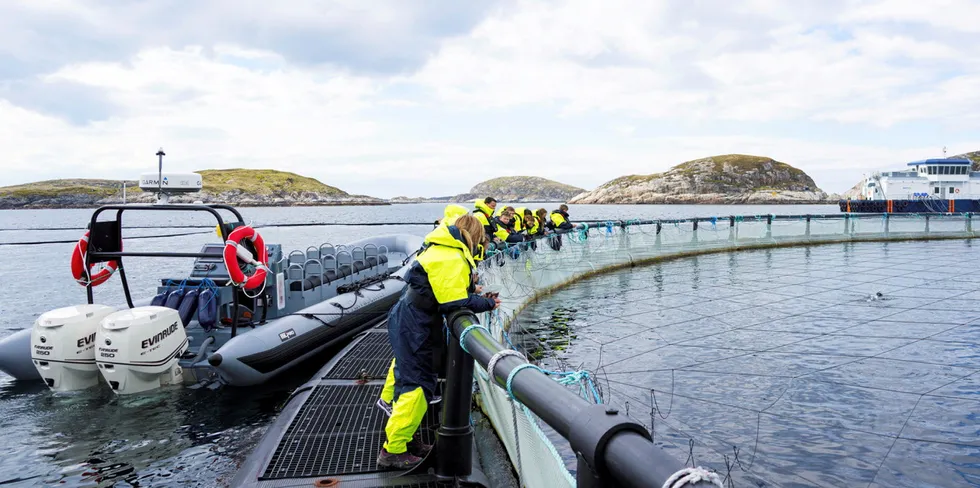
532, 273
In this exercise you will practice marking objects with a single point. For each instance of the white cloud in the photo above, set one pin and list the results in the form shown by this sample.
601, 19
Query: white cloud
836, 88
217, 113
787, 68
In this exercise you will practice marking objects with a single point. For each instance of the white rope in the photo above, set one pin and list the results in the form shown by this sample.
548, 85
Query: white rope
690, 476
500, 355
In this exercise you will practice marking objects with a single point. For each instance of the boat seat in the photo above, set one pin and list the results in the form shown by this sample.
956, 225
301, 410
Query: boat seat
375, 260
306, 285
296, 257
329, 276
312, 253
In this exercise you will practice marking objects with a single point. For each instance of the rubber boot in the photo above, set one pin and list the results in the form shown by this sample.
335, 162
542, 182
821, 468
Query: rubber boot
405, 460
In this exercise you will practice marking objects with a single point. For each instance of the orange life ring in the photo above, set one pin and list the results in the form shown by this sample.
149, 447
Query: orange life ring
85, 277
231, 258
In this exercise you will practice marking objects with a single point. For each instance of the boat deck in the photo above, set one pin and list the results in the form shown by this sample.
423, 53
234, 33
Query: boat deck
331, 428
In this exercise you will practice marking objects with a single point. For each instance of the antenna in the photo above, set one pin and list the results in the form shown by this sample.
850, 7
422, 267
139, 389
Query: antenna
161, 154
944, 152
177, 183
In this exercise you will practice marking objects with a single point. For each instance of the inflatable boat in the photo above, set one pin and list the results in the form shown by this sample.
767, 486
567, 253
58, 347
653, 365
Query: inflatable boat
245, 312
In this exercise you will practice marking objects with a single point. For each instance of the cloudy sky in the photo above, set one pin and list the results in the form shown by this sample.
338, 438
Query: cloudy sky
427, 98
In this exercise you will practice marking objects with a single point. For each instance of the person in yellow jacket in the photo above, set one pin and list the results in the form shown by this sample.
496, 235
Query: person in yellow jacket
483, 209
439, 281
505, 227
541, 219
559, 219
524, 220
451, 213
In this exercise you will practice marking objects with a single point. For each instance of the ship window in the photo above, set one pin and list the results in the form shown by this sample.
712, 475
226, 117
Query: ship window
951, 189
945, 170
935, 190
932, 170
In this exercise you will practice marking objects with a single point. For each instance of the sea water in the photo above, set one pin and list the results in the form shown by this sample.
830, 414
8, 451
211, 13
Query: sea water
180, 436
852, 364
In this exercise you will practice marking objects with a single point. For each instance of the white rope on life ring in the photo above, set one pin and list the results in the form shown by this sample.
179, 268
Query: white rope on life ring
234, 253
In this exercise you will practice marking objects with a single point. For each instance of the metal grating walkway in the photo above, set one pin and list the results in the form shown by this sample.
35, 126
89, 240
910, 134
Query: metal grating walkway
372, 355
339, 430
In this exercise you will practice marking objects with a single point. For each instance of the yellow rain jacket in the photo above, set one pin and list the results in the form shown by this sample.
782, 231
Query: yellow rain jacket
484, 214
559, 220
519, 219
451, 213
439, 281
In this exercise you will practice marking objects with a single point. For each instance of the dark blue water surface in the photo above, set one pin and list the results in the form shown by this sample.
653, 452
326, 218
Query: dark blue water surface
789, 356
179, 436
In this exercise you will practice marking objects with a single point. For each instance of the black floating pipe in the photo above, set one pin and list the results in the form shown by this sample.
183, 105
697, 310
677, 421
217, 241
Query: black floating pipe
455, 436
616, 450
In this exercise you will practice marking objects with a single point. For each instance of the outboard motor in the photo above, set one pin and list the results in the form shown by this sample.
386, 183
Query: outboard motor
138, 349
63, 346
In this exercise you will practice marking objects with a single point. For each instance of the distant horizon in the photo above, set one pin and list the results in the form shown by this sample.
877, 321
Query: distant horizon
389, 197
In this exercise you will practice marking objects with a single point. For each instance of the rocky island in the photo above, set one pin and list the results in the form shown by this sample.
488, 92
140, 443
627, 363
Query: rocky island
726, 179
239, 187
517, 189
972, 156
510, 189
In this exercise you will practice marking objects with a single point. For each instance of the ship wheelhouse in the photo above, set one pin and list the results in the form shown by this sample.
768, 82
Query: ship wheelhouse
944, 179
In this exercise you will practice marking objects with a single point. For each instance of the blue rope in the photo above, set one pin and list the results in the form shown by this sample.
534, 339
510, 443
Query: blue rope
513, 373
581, 378
462, 336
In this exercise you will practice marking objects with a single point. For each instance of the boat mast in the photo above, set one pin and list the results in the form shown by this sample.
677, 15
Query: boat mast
161, 198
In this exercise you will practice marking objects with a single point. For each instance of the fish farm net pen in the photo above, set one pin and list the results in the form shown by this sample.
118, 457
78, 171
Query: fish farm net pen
617, 222
659, 413
526, 278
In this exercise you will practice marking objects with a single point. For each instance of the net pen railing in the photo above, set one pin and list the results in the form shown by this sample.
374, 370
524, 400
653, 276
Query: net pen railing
522, 273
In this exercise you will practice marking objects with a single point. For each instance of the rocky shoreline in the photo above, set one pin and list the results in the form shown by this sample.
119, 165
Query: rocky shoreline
70, 201
729, 179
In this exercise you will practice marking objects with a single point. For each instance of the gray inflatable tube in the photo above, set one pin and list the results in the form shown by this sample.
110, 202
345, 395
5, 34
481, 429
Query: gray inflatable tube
260, 354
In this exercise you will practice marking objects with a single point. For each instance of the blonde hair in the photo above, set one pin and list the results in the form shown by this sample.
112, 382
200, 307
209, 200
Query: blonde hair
472, 231
508, 210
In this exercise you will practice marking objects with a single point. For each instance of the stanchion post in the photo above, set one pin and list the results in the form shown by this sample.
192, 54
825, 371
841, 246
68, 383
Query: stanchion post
585, 477
454, 443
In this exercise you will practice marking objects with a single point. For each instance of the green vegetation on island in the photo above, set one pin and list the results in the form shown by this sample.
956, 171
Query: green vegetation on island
510, 189
725, 179
242, 187
972, 156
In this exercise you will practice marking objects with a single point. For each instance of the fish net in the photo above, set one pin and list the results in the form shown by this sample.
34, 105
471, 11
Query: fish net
523, 275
